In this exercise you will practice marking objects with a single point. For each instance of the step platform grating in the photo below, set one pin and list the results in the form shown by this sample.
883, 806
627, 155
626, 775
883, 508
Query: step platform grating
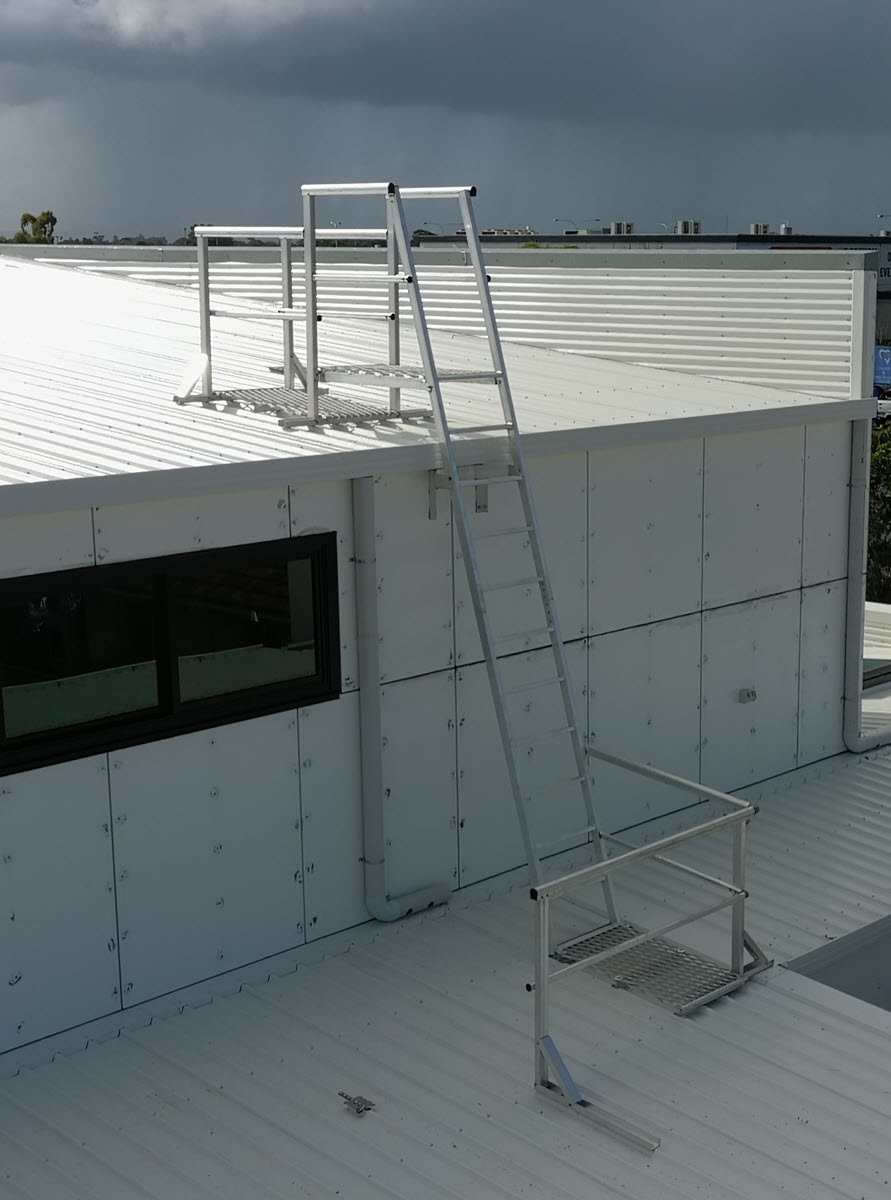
291, 410
662, 971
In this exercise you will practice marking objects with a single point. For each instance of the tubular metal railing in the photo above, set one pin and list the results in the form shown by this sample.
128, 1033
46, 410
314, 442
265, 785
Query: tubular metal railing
548, 1060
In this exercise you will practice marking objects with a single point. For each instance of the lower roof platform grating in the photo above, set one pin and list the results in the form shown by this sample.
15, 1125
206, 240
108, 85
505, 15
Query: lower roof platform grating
659, 970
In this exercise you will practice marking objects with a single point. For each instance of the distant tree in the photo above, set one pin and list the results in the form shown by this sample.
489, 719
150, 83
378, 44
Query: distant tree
37, 229
878, 563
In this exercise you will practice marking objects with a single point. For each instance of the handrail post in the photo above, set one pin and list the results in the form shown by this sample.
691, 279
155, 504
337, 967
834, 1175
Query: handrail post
312, 327
542, 943
393, 300
738, 918
287, 326
204, 311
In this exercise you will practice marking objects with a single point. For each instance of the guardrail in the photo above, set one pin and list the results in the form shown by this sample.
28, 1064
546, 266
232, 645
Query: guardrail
548, 1060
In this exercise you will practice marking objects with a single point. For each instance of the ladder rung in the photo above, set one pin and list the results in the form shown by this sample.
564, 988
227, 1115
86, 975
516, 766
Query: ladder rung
532, 687
512, 532
544, 735
514, 583
503, 427
484, 482
526, 633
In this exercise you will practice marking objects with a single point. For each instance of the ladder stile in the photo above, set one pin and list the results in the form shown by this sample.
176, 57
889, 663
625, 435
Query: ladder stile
517, 474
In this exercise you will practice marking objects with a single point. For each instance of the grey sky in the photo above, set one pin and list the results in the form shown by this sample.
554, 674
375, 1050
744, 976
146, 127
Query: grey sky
144, 115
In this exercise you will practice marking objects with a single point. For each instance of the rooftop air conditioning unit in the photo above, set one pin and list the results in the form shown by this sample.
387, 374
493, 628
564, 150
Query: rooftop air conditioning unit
621, 227
686, 227
785, 229
757, 228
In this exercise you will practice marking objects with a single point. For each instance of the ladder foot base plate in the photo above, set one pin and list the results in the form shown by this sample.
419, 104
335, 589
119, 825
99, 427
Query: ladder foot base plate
599, 1115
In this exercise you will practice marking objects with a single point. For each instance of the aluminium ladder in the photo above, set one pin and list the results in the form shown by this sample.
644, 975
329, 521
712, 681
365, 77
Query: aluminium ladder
401, 272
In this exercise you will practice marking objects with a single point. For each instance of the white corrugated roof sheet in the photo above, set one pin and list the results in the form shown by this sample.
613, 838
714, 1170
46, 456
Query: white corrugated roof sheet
770, 324
779, 1090
89, 367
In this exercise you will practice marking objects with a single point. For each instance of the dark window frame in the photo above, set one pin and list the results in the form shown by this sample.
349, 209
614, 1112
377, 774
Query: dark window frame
173, 716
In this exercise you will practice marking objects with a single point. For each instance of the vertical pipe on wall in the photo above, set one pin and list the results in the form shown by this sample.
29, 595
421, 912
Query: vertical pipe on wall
378, 899
862, 354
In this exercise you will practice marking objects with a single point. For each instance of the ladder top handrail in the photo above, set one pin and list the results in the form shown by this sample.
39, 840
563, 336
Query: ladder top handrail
292, 232
387, 189
276, 231
348, 189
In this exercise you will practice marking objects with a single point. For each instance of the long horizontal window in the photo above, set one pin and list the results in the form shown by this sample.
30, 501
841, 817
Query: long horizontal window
108, 656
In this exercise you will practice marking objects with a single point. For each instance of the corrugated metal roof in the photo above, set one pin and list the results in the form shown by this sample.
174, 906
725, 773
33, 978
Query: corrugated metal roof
782, 327
877, 631
781, 1089
87, 391
875, 709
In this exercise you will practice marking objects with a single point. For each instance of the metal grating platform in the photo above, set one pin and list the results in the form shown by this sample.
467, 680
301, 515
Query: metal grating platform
290, 407
669, 974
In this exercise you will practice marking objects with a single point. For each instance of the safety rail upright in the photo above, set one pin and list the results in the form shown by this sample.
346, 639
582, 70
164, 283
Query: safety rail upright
643, 960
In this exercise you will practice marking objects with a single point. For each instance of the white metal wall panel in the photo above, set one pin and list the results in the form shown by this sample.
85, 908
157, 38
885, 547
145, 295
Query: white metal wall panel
750, 691
331, 796
643, 703
489, 835
827, 475
559, 485
822, 686
318, 507
127, 531
47, 542
754, 499
418, 766
208, 853
788, 328
414, 571
645, 526
58, 934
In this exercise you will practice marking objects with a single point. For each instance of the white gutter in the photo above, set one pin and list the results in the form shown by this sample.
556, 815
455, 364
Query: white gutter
858, 520
378, 898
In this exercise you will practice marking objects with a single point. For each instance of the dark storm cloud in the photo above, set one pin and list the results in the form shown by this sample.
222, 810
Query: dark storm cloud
769, 64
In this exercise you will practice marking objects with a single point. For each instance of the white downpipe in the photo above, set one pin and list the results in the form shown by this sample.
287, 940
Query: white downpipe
858, 519
378, 899
864, 317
